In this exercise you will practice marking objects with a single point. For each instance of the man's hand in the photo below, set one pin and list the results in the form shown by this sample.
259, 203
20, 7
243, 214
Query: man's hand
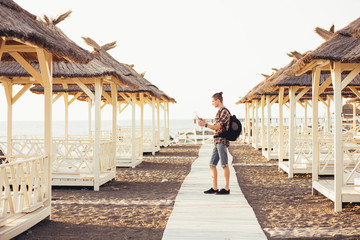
201, 122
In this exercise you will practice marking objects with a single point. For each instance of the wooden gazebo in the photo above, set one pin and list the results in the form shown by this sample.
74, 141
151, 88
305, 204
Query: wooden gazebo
340, 57
26, 201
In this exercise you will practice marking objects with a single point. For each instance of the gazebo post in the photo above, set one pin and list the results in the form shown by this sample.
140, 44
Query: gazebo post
141, 123
315, 137
336, 81
306, 113
133, 130
256, 124
292, 128
252, 130
158, 120
45, 61
96, 167
153, 124
66, 103
90, 105
281, 128
246, 133
168, 123
114, 115
268, 104
165, 126
328, 115
354, 117
263, 137
9, 93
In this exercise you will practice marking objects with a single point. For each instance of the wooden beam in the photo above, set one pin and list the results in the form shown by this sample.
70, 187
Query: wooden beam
21, 92
85, 89
18, 48
302, 93
308, 67
45, 66
27, 66
106, 96
2, 46
57, 97
354, 90
126, 98
325, 85
350, 77
75, 97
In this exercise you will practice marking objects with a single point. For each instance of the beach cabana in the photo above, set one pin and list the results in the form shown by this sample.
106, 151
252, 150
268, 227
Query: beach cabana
26, 182
338, 56
80, 162
158, 98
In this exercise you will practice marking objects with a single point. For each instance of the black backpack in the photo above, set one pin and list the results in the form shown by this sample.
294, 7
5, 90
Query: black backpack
234, 130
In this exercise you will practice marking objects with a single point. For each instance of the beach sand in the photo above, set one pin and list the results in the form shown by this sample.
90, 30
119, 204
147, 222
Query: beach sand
136, 205
285, 207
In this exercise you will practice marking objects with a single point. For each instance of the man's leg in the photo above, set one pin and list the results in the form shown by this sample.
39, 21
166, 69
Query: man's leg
222, 150
214, 176
227, 177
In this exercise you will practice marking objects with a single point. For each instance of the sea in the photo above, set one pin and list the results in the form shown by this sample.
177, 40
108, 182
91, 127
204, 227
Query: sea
36, 128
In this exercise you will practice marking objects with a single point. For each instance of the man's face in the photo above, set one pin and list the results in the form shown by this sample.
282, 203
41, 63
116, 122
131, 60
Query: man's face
215, 102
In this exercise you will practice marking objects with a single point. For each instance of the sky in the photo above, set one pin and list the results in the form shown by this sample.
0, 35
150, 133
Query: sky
190, 49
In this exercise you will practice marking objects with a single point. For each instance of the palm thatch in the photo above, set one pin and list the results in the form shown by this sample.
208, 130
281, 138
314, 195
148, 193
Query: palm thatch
343, 47
94, 68
75, 89
326, 35
124, 71
17, 23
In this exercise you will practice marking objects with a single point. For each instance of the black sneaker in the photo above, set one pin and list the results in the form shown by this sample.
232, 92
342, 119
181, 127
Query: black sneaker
211, 190
223, 191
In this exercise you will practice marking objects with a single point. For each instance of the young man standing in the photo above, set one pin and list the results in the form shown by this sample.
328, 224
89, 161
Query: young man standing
222, 121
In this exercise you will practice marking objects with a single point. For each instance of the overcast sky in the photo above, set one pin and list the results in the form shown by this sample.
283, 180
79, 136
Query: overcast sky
191, 49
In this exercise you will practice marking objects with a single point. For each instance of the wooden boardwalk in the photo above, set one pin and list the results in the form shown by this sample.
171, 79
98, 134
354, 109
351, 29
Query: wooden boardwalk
201, 216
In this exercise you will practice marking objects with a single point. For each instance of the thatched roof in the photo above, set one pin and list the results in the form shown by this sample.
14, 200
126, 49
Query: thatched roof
124, 71
94, 68
60, 69
343, 46
15, 22
74, 89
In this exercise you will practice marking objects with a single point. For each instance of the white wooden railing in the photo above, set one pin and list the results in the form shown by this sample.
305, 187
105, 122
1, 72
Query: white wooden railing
124, 147
24, 186
69, 156
107, 156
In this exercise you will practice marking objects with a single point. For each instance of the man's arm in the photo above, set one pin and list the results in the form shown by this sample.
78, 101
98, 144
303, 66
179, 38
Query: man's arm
215, 127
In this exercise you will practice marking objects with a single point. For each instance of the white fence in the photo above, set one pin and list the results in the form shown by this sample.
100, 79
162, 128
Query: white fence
24, 187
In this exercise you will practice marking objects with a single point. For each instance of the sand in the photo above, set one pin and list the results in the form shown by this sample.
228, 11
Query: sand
136, 205
286, 208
